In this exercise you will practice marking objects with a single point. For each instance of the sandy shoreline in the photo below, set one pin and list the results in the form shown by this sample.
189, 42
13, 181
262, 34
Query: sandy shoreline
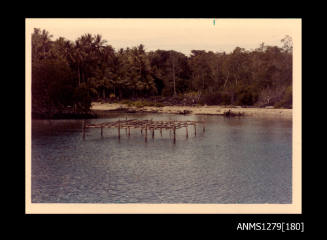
197, 110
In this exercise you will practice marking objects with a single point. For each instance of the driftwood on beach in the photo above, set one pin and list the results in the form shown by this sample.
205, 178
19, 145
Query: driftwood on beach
145, 126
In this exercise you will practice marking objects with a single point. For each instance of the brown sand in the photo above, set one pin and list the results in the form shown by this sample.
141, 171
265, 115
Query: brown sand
199, 110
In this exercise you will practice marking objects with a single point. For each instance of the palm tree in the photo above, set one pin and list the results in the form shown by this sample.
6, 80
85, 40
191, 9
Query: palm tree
45, 41
41, 43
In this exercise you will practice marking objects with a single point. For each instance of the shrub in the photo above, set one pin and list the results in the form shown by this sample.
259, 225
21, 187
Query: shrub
82, 99
246, 96
138, 104
166, 91
215, 98
286, 100
158, 104
126, 101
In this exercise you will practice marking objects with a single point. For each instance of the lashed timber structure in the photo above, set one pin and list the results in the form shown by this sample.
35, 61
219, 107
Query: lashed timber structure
145, 125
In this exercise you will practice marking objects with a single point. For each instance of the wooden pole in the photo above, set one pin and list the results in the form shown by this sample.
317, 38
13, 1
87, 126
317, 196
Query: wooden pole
118, 129
84, 126
172, 126
174, 134
204, 128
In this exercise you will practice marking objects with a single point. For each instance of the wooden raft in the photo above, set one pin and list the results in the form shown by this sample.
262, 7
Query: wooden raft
145, 125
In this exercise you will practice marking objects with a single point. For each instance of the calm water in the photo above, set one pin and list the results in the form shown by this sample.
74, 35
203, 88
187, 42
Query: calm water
236, 160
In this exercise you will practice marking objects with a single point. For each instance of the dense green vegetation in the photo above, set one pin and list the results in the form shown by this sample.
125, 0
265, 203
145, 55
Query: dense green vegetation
67, 76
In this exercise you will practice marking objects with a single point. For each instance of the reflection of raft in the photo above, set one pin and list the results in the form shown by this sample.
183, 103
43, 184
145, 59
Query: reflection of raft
145, 125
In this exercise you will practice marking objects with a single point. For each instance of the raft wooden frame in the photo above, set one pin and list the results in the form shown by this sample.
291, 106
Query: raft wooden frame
171, 125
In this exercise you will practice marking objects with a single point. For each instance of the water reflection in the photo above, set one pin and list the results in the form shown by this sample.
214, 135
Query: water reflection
243, 160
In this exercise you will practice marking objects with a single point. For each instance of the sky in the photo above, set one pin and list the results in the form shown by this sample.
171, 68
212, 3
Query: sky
183, 35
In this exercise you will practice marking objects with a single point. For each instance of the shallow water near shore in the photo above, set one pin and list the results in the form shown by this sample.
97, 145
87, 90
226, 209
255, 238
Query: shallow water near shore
236, 160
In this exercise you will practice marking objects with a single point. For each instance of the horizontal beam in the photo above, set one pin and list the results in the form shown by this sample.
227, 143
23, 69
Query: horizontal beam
150, 124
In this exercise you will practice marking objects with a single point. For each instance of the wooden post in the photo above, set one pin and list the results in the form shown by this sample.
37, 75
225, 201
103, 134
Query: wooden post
84, 126
101, 131
141, 131
204, 128
118, 129
161, 131
126, 131
129, 131
153, 132
146, 133
174, 134
194, 129
186, 131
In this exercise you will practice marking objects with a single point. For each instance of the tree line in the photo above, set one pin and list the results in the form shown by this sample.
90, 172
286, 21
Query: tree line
71, 74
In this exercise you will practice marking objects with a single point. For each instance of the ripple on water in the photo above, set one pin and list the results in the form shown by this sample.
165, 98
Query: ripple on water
235, 161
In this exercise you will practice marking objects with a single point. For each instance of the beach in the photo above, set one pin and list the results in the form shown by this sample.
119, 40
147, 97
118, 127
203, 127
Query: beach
196, 110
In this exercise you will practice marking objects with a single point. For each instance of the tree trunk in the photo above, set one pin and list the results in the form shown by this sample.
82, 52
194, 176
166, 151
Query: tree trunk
79, 75
174, 78
226, 79
83, 76
217, 76
202, 82
120, 94
173, 66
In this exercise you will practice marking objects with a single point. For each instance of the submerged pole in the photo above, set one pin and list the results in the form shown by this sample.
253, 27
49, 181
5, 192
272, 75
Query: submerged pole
146, 133
174, 134
186, 131
101, 131
129, 131
84, 126
119, 129
194, 129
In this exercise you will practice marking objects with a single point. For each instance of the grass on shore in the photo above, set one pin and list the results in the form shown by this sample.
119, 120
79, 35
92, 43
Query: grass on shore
141, 103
